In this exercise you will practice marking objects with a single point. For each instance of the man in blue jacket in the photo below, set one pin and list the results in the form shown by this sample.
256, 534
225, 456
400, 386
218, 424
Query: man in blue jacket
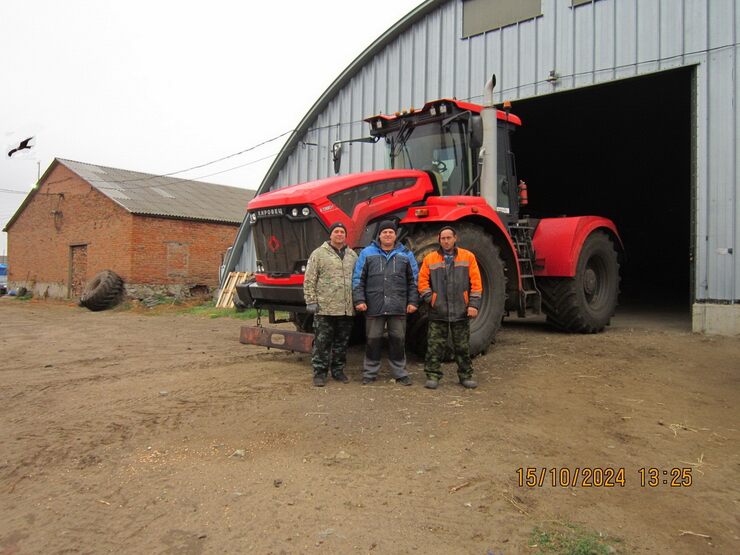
384, 288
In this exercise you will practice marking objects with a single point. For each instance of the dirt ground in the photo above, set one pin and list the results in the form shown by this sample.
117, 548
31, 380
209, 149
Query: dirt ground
123, 432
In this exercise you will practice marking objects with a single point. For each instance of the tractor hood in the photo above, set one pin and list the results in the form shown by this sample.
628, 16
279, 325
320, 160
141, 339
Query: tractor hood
316, 192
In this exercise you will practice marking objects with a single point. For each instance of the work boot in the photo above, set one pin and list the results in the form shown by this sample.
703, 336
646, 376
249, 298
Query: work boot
431, 383
319, 380
366, 381
340, 377
469, 383
404, 381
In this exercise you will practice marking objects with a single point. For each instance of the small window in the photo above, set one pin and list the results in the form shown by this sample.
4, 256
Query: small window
480, 16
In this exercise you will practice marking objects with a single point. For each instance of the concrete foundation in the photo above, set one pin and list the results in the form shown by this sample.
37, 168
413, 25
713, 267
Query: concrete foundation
41, 290
137, 291
716, 319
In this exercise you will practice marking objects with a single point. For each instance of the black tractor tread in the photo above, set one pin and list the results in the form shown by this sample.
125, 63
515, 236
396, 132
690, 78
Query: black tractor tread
560, 298
103, 291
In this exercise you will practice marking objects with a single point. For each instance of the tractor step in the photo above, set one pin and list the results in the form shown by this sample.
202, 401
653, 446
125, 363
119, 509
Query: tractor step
530, 298
277, 338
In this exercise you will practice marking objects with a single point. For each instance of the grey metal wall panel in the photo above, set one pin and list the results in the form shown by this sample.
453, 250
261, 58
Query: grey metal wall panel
718, 184
591, 43
625, 38
736, 160
604, 44
702, 178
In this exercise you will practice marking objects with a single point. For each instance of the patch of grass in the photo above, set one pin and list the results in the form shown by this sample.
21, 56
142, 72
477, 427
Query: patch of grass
209, 310
195, 307
570, 539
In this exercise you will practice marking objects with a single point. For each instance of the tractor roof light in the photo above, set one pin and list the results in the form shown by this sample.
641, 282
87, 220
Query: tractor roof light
421, 212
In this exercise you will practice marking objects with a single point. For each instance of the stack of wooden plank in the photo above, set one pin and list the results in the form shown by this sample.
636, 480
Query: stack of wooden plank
226, 297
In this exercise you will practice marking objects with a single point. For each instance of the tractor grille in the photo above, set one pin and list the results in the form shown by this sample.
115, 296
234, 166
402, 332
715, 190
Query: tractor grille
283, 244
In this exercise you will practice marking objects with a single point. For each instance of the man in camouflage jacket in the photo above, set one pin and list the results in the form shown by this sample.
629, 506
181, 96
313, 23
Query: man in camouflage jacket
327, 289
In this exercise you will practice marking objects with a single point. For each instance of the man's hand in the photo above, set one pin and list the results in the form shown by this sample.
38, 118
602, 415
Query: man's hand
312, 308
472, 312
410, 309
362, 307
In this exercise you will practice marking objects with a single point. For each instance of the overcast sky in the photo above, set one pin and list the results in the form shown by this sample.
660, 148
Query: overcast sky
162, 85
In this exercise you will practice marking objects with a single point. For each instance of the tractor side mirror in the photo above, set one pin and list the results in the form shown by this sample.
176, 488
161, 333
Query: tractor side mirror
476, 131
336, 156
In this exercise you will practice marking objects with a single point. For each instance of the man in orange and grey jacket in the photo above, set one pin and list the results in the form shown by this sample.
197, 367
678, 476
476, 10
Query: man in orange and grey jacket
449, 280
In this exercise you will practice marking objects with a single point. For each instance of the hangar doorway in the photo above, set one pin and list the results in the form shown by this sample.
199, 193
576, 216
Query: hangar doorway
621, 150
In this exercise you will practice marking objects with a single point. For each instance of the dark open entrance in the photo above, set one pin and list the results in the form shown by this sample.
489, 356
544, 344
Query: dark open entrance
621, 150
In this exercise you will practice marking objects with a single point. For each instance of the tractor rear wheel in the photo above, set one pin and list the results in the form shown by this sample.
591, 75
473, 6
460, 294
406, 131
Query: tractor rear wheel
483, 327
586, 302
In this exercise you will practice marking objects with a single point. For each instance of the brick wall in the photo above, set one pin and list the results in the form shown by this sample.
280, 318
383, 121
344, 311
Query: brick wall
167, 251
67, 211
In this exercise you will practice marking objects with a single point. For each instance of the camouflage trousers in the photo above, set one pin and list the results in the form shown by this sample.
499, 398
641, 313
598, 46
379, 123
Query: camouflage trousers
437, 336
330, 343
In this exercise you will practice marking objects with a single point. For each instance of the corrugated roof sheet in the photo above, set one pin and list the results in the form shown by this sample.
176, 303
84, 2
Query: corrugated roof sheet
171, 197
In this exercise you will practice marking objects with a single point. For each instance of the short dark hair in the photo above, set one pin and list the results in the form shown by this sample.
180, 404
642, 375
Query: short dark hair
452, 229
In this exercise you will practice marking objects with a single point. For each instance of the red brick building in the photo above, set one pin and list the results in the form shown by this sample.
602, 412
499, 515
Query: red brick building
156, 232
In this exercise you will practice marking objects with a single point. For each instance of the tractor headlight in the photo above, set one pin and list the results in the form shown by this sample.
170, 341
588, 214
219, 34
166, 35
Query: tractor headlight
305, 211
294, 212
252, 218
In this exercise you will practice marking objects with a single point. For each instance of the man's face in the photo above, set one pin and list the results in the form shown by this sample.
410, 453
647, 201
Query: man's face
338, 237
387, 238
447, 239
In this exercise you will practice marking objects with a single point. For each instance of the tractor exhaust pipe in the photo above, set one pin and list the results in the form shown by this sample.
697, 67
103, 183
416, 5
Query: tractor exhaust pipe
489, 152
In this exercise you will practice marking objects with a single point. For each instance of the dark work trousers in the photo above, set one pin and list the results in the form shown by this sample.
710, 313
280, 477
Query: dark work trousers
374, 326
330, 343
437, 336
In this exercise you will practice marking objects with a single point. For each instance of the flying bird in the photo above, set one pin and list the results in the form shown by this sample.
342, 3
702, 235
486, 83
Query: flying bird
23, 145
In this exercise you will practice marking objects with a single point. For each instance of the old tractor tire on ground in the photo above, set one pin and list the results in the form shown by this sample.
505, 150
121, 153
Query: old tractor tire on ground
104, 291
482, 328
586, 302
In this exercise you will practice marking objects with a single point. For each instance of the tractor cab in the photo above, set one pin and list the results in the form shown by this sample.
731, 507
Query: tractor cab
444, 138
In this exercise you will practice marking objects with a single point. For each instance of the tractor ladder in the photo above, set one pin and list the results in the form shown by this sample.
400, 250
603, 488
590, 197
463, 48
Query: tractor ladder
530, 298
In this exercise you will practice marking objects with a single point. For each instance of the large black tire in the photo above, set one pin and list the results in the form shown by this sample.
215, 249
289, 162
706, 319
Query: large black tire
483, 328
584, 303
104, 291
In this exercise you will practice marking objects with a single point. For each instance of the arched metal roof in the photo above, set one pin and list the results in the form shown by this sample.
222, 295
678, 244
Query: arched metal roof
339, 83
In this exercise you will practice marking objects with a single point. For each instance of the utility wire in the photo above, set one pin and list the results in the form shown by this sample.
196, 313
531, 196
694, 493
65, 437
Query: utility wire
343, 124
170, 174
179, 180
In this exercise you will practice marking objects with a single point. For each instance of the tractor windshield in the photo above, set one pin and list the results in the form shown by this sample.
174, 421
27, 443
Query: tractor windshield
431, 147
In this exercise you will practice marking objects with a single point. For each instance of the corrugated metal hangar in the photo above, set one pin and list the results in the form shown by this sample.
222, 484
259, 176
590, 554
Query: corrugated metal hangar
629, 110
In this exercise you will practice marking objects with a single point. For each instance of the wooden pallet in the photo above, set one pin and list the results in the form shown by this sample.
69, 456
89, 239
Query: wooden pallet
226, 297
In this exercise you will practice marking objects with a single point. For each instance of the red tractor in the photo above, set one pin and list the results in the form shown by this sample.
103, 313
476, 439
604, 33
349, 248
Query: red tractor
449, 162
